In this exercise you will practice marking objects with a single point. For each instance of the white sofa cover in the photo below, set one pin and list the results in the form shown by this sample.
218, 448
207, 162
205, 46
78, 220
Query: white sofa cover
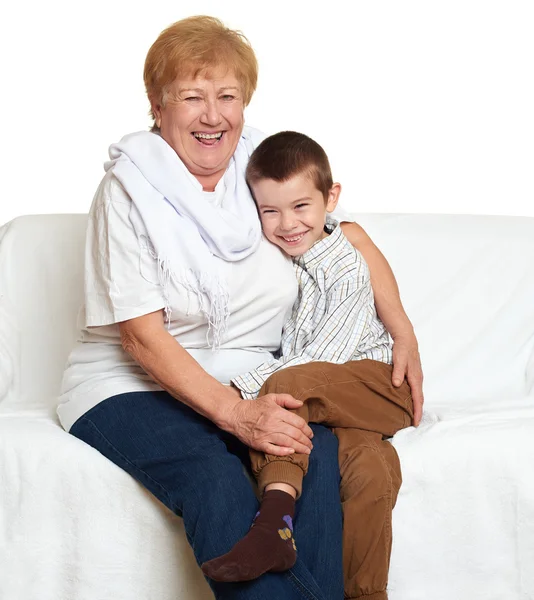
75, 527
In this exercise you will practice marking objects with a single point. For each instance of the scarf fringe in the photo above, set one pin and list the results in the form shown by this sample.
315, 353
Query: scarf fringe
210, 291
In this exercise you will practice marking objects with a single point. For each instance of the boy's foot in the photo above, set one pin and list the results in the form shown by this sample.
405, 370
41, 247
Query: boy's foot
268, 546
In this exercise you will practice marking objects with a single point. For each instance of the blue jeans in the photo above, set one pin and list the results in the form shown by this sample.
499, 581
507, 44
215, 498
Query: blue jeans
196, 470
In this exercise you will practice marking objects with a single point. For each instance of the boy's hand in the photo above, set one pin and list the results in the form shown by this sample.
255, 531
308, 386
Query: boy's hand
407, 365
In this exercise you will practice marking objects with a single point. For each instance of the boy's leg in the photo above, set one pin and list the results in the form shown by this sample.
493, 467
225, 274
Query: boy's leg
268, 468
358, 399
370, 481
269, 545
358, 394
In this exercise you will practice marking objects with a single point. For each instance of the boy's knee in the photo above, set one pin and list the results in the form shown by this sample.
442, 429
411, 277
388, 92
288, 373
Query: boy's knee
367, 472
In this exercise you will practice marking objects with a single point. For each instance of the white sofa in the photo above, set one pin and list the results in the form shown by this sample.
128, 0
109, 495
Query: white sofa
75, 527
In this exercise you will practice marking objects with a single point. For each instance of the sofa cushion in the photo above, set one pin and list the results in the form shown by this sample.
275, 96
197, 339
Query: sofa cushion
463, 526
75, 526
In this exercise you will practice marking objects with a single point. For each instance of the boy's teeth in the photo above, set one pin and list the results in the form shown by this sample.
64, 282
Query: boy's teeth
293, 239
208, 136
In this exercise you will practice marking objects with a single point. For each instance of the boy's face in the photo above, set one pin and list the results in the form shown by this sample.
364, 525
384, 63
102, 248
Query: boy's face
293, 212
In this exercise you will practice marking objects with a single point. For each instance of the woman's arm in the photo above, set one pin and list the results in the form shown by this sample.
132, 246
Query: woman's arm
263, 424
406, 359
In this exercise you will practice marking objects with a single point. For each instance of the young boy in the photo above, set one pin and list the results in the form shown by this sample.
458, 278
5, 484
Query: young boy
336, 357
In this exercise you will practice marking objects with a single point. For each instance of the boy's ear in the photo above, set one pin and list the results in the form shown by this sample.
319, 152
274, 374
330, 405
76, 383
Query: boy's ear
333, 197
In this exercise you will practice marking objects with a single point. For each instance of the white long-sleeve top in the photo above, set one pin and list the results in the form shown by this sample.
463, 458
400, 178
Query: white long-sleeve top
334, 318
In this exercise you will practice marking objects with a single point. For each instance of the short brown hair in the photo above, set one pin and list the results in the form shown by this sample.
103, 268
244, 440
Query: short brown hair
289, 153
196, 44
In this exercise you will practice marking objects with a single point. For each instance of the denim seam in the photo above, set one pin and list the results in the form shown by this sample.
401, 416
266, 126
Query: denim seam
128, 461
301, 586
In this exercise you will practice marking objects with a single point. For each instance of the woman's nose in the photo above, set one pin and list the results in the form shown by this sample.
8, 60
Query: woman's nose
211, 115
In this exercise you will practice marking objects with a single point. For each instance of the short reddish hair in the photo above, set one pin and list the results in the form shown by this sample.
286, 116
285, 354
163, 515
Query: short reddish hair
286, 154
195, 45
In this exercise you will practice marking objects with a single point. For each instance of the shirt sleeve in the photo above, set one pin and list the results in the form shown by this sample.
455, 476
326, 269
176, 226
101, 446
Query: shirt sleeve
121, 274
335, 338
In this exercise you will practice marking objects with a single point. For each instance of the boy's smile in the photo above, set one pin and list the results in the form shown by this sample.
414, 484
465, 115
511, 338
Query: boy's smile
293, 212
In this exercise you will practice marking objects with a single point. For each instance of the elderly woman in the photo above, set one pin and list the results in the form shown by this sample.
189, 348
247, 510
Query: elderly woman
182, 293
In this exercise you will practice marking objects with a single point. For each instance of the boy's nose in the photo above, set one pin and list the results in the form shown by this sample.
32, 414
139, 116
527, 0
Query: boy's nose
288, 223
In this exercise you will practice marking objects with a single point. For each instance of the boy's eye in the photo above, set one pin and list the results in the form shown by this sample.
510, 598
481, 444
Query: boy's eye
267, 211
301, 205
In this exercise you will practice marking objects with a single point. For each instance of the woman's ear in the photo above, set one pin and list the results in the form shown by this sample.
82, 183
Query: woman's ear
333, 197
156, 111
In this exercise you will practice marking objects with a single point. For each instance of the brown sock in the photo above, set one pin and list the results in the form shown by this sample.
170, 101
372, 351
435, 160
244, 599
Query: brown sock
268, 546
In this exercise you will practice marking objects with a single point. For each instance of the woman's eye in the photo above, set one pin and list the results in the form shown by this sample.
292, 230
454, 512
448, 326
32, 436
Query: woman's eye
192, 98
228, 97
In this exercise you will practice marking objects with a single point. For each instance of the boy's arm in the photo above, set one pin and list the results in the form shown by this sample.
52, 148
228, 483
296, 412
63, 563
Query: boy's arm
334, 340
406, 359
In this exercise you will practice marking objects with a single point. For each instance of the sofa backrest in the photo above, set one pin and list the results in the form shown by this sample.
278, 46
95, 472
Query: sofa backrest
41, 291
466, 282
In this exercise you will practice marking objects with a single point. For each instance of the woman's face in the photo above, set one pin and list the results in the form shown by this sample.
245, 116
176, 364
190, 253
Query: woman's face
202, 121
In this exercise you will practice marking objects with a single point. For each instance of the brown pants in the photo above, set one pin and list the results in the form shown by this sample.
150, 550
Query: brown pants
358, 400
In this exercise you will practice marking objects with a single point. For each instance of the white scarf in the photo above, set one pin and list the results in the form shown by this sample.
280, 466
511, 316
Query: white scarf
188, 234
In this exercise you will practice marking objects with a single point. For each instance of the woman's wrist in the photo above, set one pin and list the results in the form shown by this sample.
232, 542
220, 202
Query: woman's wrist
225, 414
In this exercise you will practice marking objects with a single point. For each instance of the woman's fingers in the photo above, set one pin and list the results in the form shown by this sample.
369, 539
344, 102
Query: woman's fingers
286, 401
281, 440
298, 423
276, 450
294, 434
264, 423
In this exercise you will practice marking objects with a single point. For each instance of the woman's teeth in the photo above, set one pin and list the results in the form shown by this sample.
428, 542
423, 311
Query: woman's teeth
208, 136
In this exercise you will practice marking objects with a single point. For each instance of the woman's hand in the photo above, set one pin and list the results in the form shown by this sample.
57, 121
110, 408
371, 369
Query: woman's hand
407, 365
264, 424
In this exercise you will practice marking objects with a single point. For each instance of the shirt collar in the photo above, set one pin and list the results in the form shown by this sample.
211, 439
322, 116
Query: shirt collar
321, 248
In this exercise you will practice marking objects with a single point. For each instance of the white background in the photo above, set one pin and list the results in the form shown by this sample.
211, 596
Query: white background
422, 106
